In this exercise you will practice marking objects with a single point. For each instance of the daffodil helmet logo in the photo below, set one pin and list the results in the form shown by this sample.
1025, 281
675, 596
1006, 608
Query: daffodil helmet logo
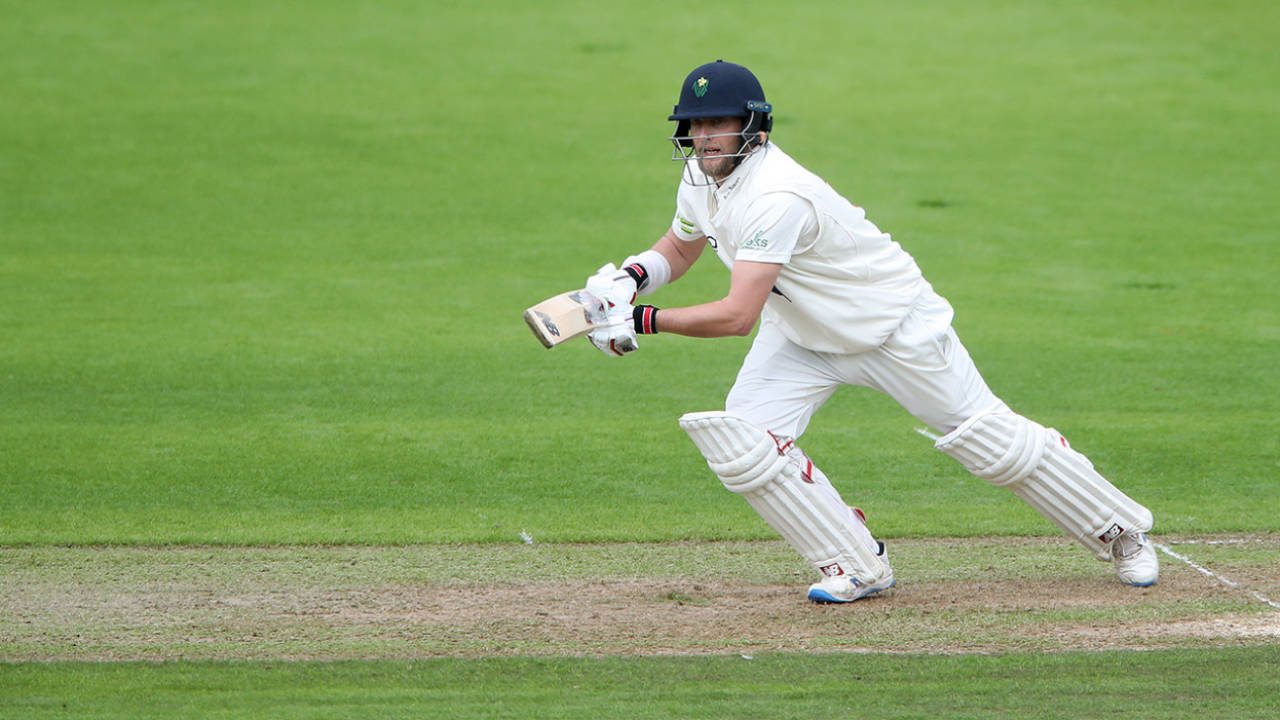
700, 86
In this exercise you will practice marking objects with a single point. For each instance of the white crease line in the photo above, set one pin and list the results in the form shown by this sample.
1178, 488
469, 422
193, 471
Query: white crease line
929, 434
1214, 575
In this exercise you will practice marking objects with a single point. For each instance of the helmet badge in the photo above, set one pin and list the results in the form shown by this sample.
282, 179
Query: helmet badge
700, 86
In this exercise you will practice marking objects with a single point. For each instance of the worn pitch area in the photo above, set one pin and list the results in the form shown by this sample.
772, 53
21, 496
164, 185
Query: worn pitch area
331, 603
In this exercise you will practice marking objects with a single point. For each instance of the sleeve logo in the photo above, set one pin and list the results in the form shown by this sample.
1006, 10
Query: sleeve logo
757, 242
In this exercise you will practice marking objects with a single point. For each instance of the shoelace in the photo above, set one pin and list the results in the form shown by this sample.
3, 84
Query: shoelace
1127, 546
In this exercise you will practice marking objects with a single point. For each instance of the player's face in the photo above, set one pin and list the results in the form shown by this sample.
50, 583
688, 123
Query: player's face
716, 142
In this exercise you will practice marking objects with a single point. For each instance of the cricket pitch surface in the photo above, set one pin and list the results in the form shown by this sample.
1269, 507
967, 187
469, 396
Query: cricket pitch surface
684, 598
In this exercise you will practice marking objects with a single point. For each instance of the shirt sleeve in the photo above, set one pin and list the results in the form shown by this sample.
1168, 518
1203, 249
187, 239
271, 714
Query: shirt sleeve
774, 225
683, 224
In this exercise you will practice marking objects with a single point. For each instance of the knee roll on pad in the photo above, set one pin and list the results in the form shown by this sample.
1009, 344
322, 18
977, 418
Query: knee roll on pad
1039, 465
749, 461
743, 456
1001, 448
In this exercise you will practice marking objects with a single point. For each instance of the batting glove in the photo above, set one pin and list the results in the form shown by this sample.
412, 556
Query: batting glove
618, 290
616, 286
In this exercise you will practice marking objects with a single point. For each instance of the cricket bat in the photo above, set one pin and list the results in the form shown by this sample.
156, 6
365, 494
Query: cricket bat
565, 316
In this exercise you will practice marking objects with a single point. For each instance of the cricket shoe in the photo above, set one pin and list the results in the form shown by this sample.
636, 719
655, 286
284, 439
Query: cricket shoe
1135, 558
845, 589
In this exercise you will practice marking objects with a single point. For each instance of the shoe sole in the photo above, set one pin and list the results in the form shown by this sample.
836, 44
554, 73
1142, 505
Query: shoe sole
822, 597
1134, 584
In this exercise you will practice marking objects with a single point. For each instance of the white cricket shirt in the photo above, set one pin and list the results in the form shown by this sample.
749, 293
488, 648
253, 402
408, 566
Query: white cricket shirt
844, 287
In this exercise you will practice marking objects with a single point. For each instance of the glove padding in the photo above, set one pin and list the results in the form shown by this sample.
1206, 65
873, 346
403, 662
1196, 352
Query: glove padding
614, 285
615, 340
618, 290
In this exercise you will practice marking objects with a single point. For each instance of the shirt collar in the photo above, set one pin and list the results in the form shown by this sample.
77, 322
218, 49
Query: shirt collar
740, 173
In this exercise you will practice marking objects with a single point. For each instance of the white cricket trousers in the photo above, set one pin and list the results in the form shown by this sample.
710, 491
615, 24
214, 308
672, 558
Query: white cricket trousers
922, 365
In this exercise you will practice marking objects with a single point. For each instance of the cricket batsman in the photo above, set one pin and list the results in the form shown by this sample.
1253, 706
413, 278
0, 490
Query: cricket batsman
838, 303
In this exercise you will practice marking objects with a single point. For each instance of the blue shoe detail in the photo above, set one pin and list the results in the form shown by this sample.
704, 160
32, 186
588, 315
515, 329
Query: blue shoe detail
822, 597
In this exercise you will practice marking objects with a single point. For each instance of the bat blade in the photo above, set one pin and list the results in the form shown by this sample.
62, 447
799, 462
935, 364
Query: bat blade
563, 317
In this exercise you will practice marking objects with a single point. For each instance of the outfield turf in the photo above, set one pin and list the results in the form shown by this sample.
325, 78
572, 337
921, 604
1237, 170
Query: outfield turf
262, 267
1226, 684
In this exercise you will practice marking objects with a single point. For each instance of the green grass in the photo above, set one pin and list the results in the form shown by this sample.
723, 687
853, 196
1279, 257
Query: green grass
262, 264
1223, 683
261, 267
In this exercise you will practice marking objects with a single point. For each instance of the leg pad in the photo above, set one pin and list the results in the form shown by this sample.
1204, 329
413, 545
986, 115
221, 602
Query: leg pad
1039, 465
750, 462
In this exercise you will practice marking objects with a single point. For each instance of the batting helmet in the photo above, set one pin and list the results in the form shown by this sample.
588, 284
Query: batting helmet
722, 89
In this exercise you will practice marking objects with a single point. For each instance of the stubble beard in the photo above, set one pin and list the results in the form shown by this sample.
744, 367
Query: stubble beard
717, 167
722, 164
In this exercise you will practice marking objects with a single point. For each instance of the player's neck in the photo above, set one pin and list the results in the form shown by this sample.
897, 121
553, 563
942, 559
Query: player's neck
743, 161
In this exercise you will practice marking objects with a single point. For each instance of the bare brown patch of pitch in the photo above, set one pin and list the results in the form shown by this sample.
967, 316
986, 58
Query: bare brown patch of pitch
953, 596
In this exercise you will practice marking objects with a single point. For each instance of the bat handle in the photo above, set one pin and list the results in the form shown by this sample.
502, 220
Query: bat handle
596, 309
